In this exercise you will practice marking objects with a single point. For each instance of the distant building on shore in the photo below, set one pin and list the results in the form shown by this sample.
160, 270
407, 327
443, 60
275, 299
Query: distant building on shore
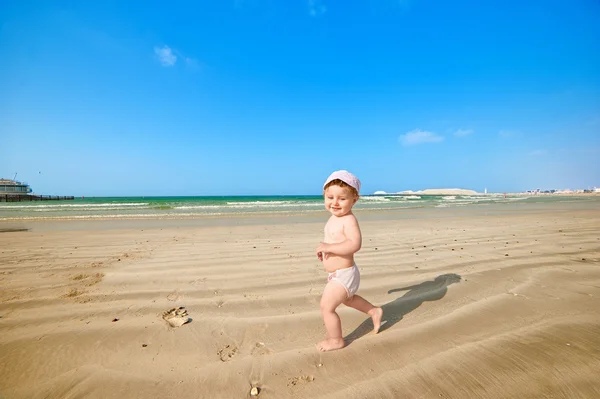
594, 190
13, 187
16, 191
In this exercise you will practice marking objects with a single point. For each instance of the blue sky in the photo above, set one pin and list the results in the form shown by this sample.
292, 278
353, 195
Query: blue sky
269, 96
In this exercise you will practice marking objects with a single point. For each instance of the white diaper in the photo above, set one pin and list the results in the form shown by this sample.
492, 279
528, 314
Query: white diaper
349, 278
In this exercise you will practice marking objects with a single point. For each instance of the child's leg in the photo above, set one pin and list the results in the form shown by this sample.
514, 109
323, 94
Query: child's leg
333, 296
359, 303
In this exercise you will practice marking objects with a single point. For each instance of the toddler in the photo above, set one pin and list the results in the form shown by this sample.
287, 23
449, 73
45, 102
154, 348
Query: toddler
342, 240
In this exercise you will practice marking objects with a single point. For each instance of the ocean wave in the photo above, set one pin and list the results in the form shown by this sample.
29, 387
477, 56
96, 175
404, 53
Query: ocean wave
107, 208
171, 215
110, 216
244, 205
258, 202
21, 205
375, 199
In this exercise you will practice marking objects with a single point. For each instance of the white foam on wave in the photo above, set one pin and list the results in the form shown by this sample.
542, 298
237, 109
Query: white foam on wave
106, 208
259, 202
27, 205
375, 199
253, 205
113, 216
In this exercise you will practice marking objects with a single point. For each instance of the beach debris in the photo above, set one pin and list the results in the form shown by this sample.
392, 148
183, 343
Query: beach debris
254, 391
144, 345
176, 317
115, 319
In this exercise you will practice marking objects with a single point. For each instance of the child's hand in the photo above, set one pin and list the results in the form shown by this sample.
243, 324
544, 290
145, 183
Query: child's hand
322, 251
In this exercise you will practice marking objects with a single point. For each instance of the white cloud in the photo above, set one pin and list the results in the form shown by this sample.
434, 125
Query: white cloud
316, 8
165, 56
463, 132
418, 136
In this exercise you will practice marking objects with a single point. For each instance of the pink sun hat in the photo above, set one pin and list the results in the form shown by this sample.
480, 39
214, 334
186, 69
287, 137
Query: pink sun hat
346, 177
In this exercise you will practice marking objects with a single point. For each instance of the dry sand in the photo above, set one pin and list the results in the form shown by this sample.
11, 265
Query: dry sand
477, 305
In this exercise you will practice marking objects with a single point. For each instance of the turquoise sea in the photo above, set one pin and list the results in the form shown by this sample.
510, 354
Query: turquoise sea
183, 207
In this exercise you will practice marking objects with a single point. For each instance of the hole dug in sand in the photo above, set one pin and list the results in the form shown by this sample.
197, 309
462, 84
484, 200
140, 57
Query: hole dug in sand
176, 317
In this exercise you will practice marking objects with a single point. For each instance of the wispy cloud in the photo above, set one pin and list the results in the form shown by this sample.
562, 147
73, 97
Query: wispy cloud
191, 63
419, 136
165, 56
316, 8
463, 132
168, 57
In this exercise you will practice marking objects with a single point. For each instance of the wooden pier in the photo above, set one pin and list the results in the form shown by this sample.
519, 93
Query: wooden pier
31, 197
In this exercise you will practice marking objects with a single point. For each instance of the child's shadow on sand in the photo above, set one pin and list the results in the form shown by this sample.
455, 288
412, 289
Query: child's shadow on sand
394, 311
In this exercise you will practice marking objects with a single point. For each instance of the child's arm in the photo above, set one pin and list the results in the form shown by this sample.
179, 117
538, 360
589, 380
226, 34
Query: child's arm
350, 245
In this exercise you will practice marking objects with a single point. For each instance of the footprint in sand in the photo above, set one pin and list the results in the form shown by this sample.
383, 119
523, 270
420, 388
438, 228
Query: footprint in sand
293, 381
173, 296
260, 349
227, 352
198, 282
176, 317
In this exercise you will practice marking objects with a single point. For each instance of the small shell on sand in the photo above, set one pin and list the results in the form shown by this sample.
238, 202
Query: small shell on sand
254, 391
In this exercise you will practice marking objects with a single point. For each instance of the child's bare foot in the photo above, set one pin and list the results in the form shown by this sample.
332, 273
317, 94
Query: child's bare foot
376, 315
331, 344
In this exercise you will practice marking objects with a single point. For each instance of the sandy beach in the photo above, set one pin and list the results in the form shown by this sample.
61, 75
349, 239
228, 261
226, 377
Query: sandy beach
491, 303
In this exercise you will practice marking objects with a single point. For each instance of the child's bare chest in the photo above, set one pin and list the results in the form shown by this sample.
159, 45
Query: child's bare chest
334, 232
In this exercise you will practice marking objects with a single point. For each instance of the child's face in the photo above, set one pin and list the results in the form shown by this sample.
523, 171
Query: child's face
339, 200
